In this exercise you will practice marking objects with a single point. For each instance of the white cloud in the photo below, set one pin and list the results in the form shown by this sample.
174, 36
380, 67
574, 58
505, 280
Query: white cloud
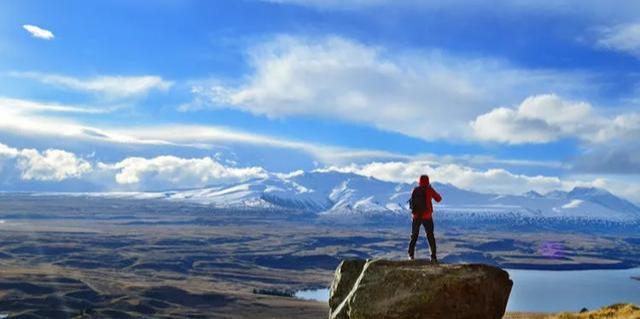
623, 38
505, 125
325, 154
32, 119
7, 152
495, 180
591, 9
50, 165
207, 136
38, 32
145, 173
498, 181
547, 118
622, 127
20, 105
25, 117
161, 172
55, 165
492, 180
28, 119
179, 172
424, 95
110, 86
538, 119
608, 143
615, 147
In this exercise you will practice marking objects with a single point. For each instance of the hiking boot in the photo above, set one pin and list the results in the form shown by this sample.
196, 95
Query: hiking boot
434, 259
410, 257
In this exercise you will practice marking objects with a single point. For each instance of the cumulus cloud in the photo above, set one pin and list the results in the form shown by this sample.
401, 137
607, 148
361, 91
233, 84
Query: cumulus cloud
55, 165
547, 118
538, 119
111, 86
7, 151
622, 127
174, 171
616, 149
426, 95
624, 38
50, 165
609, 144
38, 32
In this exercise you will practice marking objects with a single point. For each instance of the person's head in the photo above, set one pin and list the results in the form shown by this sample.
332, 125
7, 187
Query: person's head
424, 180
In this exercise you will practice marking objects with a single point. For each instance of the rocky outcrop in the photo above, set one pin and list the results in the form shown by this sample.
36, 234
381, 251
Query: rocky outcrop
384, 289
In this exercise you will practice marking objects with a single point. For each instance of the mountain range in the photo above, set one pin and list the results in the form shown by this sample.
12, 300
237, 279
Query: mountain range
337, 194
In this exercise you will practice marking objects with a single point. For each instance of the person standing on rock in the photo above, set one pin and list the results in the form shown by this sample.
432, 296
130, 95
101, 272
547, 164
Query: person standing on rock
422, 215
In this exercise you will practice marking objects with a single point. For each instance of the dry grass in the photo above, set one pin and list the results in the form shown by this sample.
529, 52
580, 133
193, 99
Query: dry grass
525, 315
618, 311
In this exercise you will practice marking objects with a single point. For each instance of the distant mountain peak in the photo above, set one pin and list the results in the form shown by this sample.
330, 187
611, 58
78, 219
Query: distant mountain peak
589, 190
346, 195
532, 194
604, 198
557, 194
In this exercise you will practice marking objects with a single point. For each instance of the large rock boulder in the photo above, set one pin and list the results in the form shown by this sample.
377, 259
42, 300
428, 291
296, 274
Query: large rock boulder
383, 289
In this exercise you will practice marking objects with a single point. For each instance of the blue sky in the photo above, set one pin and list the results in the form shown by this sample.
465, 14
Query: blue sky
141, 95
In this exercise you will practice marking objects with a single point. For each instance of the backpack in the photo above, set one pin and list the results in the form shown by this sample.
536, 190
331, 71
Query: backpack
418, 201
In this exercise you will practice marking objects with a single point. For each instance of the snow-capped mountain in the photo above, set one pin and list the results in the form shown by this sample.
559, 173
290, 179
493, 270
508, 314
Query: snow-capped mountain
325, 193
336, 194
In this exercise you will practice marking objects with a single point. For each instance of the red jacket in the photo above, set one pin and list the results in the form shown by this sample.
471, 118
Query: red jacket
430, 195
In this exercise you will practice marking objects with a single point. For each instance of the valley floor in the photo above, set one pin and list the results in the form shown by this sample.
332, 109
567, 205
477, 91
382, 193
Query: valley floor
101, 259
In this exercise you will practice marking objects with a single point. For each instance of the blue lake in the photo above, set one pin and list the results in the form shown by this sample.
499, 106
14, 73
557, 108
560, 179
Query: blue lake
552, 291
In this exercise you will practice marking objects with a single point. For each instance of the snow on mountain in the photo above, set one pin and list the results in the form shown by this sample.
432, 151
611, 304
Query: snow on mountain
603, 198
336, 194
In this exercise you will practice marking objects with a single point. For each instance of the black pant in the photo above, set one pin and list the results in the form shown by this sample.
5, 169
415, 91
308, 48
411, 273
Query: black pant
415, 232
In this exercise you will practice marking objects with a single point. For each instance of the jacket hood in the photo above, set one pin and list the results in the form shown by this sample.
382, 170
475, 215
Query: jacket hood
424, 180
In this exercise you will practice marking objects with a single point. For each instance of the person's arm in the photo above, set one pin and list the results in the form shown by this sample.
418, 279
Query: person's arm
435, 194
